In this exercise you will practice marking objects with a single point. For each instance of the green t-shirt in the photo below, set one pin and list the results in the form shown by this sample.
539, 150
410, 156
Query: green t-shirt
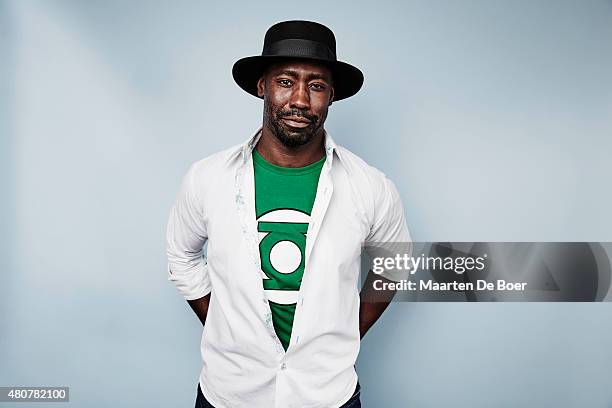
283, 201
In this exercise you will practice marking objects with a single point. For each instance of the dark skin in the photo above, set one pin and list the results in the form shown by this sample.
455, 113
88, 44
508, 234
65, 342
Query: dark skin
297, 95
200, 307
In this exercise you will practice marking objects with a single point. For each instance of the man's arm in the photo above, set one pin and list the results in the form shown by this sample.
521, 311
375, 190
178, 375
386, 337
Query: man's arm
200, 307
387, 230
186, 235
373, 302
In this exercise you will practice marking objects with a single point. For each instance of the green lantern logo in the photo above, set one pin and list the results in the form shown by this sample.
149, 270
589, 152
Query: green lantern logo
282, 245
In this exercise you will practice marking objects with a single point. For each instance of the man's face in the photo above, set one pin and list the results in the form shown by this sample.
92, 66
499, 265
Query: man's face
296, 96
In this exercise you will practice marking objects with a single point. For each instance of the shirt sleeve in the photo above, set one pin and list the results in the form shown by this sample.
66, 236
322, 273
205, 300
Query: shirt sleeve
389, 233
185, 238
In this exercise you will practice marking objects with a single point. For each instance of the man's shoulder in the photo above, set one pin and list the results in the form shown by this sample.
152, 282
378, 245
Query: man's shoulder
216, 162
372, 189
358, 169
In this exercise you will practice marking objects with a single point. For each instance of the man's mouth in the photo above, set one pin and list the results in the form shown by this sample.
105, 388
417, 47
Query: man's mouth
298, 122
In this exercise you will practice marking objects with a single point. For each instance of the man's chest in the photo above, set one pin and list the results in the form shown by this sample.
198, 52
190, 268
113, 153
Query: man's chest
334, 230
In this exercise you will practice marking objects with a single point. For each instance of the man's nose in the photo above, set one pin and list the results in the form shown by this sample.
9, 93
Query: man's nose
300, 99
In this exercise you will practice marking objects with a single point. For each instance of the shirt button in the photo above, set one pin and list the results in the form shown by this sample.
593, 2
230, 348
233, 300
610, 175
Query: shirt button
283, 366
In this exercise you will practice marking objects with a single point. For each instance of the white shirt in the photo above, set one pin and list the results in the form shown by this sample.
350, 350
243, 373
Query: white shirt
245, 365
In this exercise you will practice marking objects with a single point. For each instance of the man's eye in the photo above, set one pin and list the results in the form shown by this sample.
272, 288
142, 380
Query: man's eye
284, 82
317, 86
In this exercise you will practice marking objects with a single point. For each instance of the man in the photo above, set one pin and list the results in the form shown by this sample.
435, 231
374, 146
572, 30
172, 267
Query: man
284, 216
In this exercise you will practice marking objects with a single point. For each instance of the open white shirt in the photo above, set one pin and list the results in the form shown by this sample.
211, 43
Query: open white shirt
245, 364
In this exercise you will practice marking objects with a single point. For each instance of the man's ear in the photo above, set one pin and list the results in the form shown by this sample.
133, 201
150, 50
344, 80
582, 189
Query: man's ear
261, 87
331, 96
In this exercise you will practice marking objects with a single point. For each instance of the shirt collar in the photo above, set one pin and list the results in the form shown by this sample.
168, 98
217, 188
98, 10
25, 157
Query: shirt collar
248, 146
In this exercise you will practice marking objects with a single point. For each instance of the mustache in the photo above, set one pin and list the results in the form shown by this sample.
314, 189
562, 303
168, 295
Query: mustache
298, 113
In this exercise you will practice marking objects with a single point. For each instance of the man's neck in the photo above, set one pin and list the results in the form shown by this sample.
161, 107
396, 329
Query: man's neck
273, 151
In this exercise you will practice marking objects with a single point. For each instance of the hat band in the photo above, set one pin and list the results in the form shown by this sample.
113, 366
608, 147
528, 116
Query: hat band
299, 48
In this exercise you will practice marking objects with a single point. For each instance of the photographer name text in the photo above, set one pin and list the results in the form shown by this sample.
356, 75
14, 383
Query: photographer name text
432, 285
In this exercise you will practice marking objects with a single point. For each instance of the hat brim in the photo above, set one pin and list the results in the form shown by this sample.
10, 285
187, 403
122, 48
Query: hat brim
347, 78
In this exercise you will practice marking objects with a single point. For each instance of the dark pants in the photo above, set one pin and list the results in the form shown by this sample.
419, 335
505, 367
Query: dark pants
354, 402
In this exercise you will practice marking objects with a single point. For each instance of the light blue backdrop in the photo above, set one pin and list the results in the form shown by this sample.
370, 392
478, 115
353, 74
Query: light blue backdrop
493, 118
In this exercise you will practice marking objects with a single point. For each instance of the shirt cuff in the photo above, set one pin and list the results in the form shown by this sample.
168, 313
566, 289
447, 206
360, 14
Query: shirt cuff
192, 285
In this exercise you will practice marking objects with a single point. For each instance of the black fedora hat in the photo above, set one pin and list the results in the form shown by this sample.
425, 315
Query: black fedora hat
298, 39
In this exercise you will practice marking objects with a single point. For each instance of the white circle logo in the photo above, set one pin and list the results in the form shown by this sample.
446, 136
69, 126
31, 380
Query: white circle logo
285, 257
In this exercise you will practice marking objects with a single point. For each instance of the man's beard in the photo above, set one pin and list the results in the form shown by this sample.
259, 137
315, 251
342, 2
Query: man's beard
291, 138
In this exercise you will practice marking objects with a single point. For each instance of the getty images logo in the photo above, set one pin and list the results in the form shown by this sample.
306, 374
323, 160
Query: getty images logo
412, 264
